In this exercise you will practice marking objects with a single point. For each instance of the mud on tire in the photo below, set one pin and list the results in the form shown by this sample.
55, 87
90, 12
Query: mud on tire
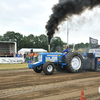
74, 62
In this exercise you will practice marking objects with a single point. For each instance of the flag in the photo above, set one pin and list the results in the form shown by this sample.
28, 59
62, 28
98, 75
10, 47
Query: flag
93, 41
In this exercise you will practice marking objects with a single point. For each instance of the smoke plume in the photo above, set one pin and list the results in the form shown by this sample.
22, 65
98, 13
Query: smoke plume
65, 9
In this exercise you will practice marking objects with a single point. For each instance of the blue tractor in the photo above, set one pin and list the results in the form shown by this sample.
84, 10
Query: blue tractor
73, 62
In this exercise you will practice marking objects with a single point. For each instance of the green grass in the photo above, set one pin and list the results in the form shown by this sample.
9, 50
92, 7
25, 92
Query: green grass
13, 66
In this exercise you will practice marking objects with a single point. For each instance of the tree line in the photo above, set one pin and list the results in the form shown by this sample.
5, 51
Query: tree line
41, 41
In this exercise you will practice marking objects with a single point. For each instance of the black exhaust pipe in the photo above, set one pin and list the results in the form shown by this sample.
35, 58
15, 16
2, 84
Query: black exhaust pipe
49, 44
49, 48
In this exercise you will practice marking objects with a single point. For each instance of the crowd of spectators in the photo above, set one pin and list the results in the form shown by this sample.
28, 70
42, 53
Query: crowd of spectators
12, 54
31, 56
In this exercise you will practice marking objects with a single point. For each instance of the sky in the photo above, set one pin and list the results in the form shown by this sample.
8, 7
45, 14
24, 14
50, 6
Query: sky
30, 17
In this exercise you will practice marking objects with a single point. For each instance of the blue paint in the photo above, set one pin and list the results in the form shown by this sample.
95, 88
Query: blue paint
48, 57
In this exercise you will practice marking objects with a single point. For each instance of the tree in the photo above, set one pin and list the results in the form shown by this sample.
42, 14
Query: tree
87, 45
43, 41
1, 38
71, 46
31, 40
18, 38
56, 44
14, 37
81, 45
25, 43
9, 36
37, 44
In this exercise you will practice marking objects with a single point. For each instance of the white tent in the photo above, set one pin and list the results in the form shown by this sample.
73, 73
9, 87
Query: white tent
28, 50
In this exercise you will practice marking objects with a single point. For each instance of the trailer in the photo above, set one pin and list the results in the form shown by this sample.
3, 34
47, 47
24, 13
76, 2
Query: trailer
74, 62
8, 47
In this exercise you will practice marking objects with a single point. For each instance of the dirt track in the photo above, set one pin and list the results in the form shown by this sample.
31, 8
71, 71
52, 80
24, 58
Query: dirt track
27, 85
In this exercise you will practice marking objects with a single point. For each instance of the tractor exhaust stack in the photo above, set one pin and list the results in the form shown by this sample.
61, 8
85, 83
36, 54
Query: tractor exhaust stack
49, 48
49, 38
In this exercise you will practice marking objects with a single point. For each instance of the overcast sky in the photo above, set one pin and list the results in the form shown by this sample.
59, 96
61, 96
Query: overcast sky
30, 17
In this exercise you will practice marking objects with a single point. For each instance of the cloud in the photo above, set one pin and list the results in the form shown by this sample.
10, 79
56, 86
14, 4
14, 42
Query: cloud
5, 6
25, 6
30, 17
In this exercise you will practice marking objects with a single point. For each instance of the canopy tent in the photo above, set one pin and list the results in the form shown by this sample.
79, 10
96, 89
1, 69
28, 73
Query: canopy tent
28, 50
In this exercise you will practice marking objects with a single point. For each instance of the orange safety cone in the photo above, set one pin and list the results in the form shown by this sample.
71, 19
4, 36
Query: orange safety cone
82, 95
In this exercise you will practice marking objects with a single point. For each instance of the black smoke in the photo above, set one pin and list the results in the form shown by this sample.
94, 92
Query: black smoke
65, 9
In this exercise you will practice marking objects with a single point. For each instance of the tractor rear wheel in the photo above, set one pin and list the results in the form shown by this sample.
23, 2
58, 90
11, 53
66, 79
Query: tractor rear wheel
48, 68
38, 69
74, 62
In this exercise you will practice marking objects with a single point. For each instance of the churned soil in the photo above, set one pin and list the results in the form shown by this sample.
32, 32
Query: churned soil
25, 84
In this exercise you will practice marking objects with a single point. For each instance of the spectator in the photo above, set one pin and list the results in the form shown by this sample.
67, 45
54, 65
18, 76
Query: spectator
31, 56
21, 55
5, 54
18, 55
14, 55
25, 56
35, 56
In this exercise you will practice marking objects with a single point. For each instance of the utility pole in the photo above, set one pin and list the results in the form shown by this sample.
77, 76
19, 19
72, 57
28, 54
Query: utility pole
67, 32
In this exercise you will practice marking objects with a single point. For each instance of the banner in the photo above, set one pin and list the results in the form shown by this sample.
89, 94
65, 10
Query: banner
11, 60
93, 41
95, 51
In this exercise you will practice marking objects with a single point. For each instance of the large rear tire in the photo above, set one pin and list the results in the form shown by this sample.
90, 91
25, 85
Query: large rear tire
48, 68
38, 69
74, 62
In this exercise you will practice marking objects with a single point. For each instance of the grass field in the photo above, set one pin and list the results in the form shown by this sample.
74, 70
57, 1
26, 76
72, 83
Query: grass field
13, 66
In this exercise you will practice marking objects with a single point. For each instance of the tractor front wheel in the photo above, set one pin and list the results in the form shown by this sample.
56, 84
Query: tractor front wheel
38, 69
48, 68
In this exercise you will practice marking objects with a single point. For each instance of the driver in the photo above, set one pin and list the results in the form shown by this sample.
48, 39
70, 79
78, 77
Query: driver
67, 50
